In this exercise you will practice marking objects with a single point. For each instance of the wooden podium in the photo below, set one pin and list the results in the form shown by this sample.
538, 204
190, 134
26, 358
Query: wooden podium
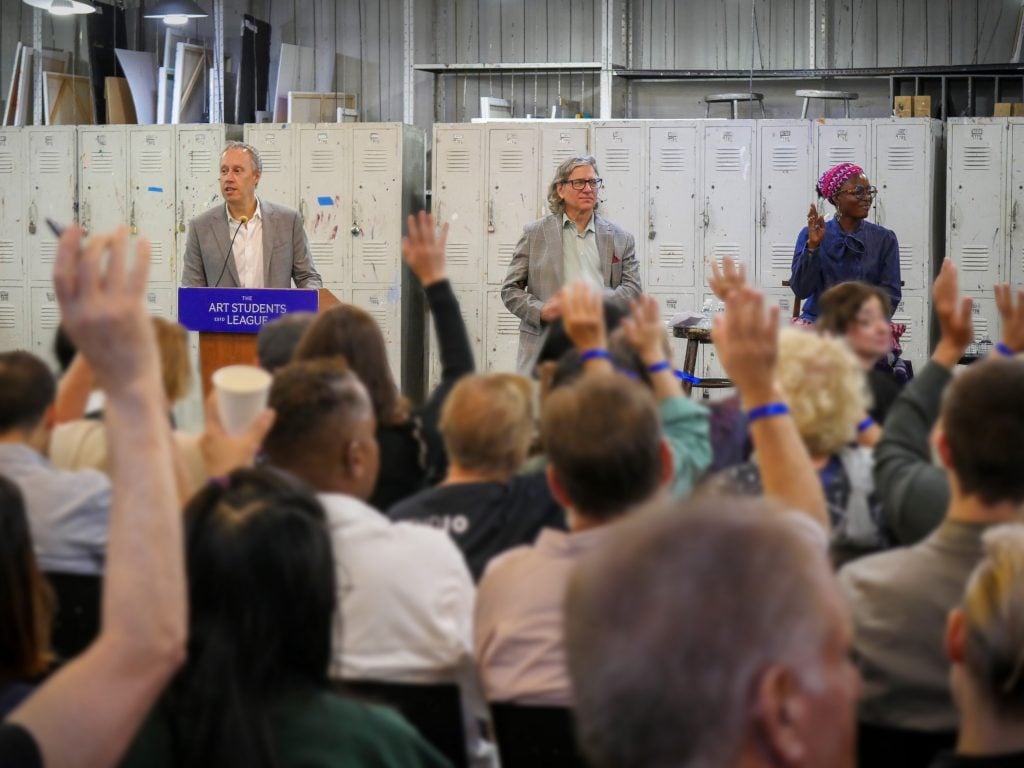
217, 349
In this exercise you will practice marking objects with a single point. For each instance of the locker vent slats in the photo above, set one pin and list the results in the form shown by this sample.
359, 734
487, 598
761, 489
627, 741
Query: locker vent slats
671, 255
672, 159
617, 159
457, 254
974, 258
200, 161
511, 161
782, 256
838, 155
322, 161
6, 251
977, 158
49, 316
728, 159
8, 317
906, 258
101, 162
785, 159
156, 252
48, 251
459, 160
376, 254
272, 160
908, 335
505, 251
508, 324
6, 162
900, 158
374, 161
151, 161
49, 161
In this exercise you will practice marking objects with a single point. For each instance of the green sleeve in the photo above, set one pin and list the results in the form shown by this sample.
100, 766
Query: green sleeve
688, 432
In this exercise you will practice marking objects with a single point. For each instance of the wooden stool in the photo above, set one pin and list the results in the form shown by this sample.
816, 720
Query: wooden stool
845, 96
734, 99
694, 338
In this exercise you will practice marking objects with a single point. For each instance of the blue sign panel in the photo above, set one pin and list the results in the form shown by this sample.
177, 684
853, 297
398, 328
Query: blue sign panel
240, 310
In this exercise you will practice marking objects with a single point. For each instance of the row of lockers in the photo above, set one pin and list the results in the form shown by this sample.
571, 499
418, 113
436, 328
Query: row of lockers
690, 191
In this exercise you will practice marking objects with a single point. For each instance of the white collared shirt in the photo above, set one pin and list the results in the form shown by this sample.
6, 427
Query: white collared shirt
580, 258
248, 248
405, 598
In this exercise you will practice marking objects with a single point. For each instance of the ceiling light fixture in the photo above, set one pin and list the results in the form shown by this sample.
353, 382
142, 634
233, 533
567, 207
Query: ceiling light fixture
176, 12
62, 7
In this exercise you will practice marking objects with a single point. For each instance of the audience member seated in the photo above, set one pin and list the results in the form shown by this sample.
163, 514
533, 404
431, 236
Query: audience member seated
67, 510
639, 349
487, 425
25, 609
985, 643
859, 312
411, 449
78, 442
823, 385
900, 599
914, 491
254, 690
711, 633
405, 596
277, 340
88, 711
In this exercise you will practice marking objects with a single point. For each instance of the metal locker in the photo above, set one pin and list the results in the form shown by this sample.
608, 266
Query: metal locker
51, 194
384, 305
672, 302
277, 145
975, 228
671, 231
905, 178
618, 147
151, 195
786, 191
161, 301
842, 141
558, 142
458, 198
45, 314
1015, 202
376, 228
913, 311
12, 204
986, 319
502, 335
13, 330
102, 177
727, 195
511, 193
325, 198
198, 177
784, 299
469, 303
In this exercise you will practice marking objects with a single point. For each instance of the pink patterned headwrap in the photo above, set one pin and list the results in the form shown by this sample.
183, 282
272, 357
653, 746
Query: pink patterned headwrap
834, 178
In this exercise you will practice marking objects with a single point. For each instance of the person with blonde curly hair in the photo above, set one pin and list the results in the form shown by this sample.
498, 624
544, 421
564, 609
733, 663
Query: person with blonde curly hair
823, 383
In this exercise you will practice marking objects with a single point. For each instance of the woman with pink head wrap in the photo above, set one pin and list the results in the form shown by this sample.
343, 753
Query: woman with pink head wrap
847, 246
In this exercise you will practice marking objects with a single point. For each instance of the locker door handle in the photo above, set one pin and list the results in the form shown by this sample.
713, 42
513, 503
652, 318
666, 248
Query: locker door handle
490, 215
131, 221
85, 215
32, 219
706, 215
1013, 215
181, 217
952, 217
651, 233
764, 213
302, 209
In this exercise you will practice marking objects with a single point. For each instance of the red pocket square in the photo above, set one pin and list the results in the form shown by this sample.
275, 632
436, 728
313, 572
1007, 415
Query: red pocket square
616, 259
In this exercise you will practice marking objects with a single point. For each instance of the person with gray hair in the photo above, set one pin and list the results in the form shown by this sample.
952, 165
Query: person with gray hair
985, 645
711, 633
247, 242
571, 243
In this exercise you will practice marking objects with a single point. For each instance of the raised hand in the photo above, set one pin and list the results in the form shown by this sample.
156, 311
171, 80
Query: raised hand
423, 248
746, 338
583, 316
732, 276
1012, 314
954, 314
645, 330
815, 228
102, 308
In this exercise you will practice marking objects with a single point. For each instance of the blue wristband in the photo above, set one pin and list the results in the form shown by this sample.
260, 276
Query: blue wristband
1004, 350
866, 424
594, 354
659, 367
689, 377
766, 411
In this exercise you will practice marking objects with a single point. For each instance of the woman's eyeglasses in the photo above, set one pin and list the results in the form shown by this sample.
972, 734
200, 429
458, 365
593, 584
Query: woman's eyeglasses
862, 192
580, 184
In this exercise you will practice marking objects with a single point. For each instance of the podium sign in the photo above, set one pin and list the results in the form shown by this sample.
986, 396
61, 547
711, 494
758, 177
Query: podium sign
240, 310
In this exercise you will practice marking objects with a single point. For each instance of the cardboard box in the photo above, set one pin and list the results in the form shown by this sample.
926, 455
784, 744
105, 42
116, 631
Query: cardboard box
922, 106
1018, 110
1003, 109
903, 106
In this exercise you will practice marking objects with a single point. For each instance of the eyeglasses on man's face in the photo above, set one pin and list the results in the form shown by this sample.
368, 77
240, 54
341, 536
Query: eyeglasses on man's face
580, 184
861, 192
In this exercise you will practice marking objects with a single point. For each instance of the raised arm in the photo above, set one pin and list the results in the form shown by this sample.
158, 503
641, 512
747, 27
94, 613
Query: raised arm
805, 277
583, 318
87, 713
913, 491
747, 342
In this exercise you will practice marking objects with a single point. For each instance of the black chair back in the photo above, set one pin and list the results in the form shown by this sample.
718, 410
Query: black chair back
879, 746
535, 737
77, 618
434, 710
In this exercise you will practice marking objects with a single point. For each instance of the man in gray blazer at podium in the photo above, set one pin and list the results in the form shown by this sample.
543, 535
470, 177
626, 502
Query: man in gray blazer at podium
266, 241
572, 243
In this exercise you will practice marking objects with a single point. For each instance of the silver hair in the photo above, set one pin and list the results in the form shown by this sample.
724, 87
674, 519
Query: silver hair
670, 624
555, 204
257, 161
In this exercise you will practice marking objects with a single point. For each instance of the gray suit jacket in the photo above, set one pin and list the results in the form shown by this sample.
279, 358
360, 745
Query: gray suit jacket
285, 250
536, 274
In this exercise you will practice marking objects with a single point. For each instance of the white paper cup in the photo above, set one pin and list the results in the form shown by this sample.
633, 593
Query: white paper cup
241, 395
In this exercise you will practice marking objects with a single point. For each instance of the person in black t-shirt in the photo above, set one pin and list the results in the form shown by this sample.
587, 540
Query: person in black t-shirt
487, 426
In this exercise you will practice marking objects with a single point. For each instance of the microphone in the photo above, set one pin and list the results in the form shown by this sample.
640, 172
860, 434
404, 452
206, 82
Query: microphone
241, 223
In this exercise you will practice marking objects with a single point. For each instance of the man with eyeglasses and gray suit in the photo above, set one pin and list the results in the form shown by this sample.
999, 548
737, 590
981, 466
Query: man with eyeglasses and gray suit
571, 243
